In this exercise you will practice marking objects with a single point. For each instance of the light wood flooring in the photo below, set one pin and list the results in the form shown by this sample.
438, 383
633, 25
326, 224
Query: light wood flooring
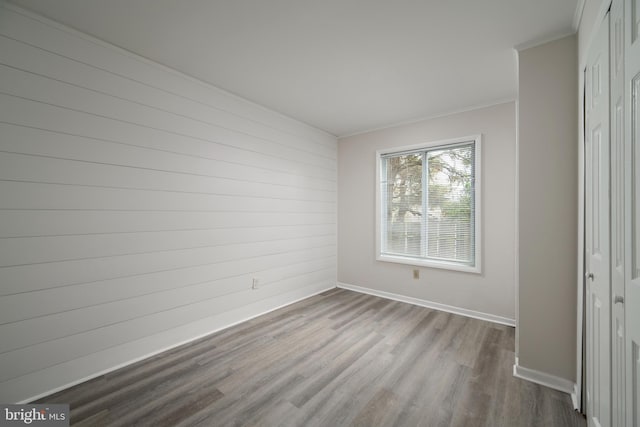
336, 359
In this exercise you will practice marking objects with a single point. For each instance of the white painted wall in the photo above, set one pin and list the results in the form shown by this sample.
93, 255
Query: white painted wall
491, 292
547, 211
137, 204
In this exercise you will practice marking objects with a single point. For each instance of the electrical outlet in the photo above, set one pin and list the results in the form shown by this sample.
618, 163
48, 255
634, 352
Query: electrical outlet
416, 274
256, 283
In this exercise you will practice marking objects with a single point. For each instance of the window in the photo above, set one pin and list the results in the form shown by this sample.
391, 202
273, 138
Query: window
428, 205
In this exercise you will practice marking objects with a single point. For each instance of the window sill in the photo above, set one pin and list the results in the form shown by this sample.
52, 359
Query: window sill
429, 263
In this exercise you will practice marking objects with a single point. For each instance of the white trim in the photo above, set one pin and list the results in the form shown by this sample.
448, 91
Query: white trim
580, 243
138, 359
575, 399
516, 198
477, 174
431, 117
430, 144
430, 304
577, 16
419, 262
543, 40
543, 378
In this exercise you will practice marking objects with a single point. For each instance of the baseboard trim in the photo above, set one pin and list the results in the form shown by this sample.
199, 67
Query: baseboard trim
430, 304
574, 398
545, 379
167, 348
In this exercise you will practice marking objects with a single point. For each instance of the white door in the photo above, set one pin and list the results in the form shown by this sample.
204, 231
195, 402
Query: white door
598, 280
632, 210
618, 383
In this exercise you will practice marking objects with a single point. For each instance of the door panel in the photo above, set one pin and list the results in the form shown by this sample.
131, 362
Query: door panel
632, 283
618, 375
598, 261
634, 383
618, 380
632, 210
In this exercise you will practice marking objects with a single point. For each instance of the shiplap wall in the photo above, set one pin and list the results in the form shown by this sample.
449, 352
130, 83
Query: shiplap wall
137, 205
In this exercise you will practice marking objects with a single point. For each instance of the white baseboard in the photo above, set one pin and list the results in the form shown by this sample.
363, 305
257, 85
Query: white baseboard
545, 379
575, 398
430, 304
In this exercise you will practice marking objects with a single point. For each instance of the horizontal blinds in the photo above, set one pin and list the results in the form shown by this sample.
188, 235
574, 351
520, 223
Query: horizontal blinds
428, 203
403, 208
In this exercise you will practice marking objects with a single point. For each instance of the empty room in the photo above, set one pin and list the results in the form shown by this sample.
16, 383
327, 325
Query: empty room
320, 213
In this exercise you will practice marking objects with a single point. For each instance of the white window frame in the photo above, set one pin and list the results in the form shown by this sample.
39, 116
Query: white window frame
477, 267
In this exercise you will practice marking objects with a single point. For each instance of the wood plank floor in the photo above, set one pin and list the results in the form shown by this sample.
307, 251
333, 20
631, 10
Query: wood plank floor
336, 359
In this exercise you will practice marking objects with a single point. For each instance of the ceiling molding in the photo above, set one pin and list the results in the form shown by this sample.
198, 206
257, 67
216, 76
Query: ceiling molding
432, 117
543, 40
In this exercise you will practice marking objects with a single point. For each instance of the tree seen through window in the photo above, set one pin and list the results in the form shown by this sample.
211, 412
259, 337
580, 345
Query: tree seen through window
429, 205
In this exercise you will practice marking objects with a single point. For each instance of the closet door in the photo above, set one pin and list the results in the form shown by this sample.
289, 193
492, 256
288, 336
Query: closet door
632, 210
618, 383
597, 238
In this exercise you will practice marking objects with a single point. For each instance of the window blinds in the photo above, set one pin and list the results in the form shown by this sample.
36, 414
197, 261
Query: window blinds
428, 205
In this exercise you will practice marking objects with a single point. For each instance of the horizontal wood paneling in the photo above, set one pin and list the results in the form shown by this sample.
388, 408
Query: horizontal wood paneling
50, 353
28, 168
230, 110
39, 142
30, 305
138, 204
17, 223
223, 243
22, 335
37, 195
30, 277
40, 115
32, 87
119, 355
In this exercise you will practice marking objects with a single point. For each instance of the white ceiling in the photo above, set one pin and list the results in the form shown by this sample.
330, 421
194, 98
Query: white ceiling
344, 66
